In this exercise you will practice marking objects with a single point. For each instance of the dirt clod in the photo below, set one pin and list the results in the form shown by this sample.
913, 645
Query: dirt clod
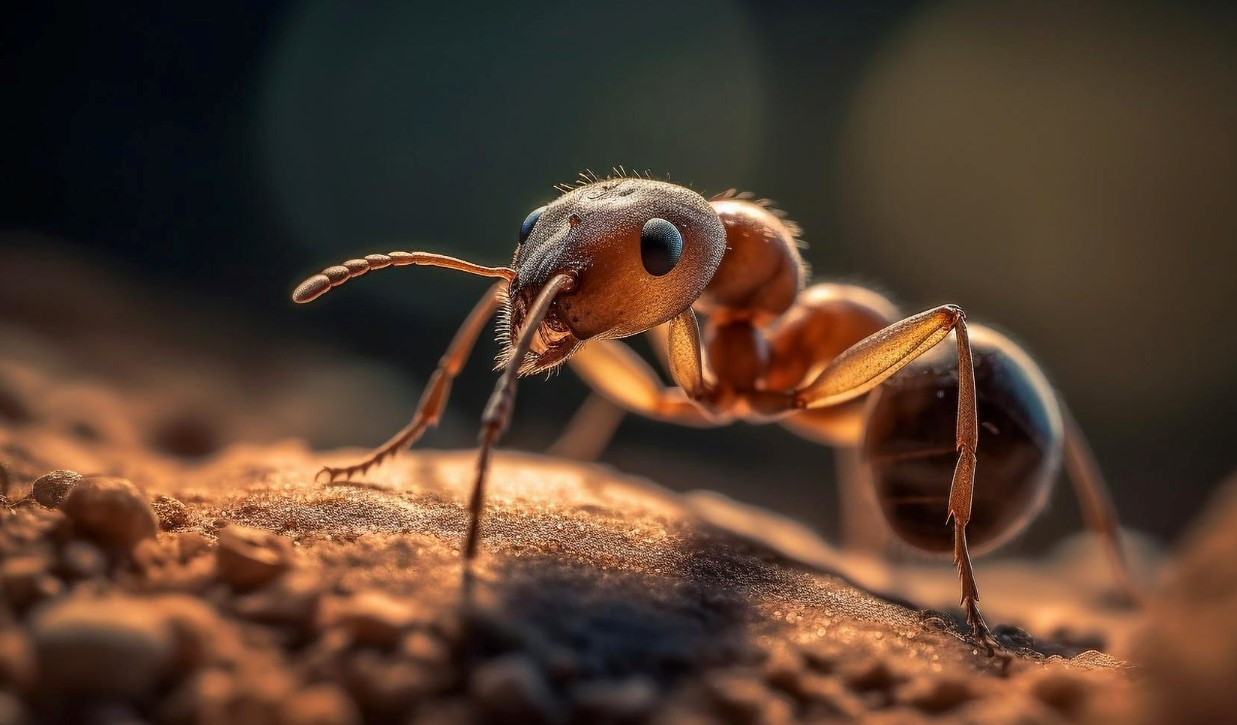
17, 665
82, 560
107, 646
190, 544
247, 558
938, 696
24, 580
171, 513
51, 489
374, 618
292, 599
319, 705
512, 689
111, 511
624, 701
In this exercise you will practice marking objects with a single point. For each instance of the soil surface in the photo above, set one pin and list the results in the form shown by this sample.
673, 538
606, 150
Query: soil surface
165, 558
243, 591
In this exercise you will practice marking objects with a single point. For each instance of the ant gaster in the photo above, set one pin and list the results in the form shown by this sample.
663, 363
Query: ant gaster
623, 255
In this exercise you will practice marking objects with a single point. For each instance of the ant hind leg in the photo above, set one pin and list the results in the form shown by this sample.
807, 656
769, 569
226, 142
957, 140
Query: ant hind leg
1096, 502
874, 360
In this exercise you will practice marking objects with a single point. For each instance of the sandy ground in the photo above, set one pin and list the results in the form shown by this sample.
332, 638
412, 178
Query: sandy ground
243, 591
153, 571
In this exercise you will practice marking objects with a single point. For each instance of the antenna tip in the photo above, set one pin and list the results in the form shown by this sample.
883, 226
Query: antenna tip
311, 289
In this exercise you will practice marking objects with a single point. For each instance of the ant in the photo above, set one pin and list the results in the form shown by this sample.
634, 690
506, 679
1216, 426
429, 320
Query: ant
627, 254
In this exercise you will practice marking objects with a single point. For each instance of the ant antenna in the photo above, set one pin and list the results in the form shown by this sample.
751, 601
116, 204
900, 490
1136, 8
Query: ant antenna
317, 285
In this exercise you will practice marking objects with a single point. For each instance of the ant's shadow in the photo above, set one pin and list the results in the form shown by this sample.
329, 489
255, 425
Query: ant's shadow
689, 610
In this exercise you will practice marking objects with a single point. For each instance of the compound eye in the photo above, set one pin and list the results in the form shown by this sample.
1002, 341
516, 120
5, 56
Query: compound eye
529, 222
661, 245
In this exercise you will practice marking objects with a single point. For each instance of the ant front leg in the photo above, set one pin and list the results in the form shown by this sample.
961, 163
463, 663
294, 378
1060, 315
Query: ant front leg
498, 409
873, 360
437, 390
619, 375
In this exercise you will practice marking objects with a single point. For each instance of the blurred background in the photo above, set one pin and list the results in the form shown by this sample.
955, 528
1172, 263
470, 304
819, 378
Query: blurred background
1065, 171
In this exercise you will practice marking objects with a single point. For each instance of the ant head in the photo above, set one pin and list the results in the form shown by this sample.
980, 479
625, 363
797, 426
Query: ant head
638, 252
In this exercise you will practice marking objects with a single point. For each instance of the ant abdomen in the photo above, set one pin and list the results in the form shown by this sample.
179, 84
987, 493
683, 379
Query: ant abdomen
909, 444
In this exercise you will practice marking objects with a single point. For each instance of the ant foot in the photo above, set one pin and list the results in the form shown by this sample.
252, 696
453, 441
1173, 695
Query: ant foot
980, 632
346, 472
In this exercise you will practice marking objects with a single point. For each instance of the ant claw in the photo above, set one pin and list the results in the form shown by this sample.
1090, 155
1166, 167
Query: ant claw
333, 474
983, 638
345, 473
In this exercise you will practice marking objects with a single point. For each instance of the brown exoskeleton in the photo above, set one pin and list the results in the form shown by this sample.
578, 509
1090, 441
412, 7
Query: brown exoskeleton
623, 255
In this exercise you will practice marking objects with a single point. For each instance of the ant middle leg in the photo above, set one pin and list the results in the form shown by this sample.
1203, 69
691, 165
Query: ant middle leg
437, 390
614, 371
617, 374
590, 430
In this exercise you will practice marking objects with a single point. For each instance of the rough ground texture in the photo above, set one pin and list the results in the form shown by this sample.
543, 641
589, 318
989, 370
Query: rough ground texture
154, 570
268, 598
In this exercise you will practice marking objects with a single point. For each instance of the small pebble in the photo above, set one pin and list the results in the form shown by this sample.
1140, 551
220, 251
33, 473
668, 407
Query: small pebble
197, 575
319, 705
512, 689
871, 674
625, 701
1010, 707
16, 661
111, 511
1063, 692
82, 560
1012, 637
783, 669
936, 697
171, 513
292, 599
823, 656
262, 683
248, 558
828, 697
21, 580
197, 631
741, 699
204, 697
385, 685
153, 555
114, 645
425, 648
375, 618
190, 544
51, 489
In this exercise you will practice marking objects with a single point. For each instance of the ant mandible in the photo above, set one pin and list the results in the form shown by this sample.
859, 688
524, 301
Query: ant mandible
626, 254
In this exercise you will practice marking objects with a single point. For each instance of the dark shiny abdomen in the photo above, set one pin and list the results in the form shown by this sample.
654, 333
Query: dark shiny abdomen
910, 434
